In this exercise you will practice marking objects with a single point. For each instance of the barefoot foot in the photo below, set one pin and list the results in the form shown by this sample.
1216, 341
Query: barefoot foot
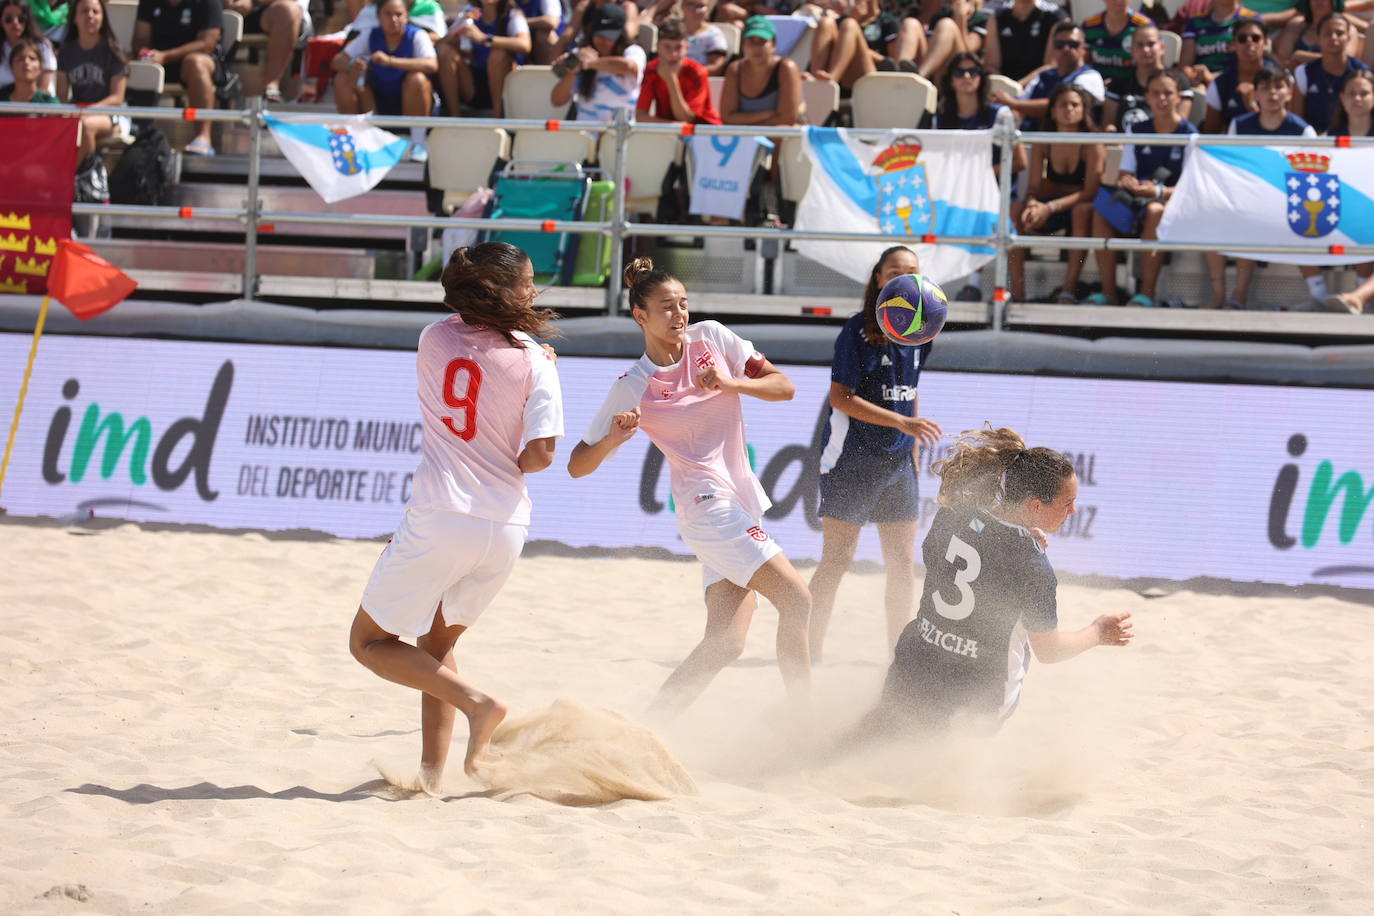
432, 780
481, 724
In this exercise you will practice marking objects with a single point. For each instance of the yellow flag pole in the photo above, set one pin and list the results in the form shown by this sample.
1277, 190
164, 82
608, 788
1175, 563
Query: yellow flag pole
24, 388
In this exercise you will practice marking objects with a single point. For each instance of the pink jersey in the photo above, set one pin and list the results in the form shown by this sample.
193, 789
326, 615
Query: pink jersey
700, 431
481, 402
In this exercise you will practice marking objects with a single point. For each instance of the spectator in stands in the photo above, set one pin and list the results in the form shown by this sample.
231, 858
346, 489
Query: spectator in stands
1148, 175
895, 42
1108, 35
92, 70
1318, 82
286, 23
388, 70
959, 28
584, 15
479, 52
761, 87
1070, 54
19, 24
1018, 40
706, 43
1273, 94
1355, 118
1126, 102
839, 51
51, 18
1063, 184
425, 14
604, 74
676, 88
25, 61
1299, 42
183, 36
546, 20
1232, 92
1207, 40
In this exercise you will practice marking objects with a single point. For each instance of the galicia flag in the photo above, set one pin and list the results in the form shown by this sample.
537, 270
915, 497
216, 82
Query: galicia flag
340, 159
931, 183
1271, 195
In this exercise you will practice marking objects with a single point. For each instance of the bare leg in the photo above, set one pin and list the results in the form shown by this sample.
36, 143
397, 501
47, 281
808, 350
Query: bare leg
346, 94
910, 43
198, 76
839, 539
823, 48
1016, 259
1106, 259
455, 78
1151, 261
899, 543
858, 59
282, 24
1245, 272
779, 582
1080, 219
417, 95
436, 716
945, 41
499, 64
729, 610
411, 666
1216, 270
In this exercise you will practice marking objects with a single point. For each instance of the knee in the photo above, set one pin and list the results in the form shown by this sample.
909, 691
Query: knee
417, 82
197, 65
724, 648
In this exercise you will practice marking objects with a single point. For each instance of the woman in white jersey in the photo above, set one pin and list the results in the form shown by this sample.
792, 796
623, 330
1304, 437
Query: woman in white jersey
685, 394
492, 410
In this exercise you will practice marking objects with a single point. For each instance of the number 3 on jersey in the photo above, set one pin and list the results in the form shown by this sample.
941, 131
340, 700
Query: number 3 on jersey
462, 383
963, 580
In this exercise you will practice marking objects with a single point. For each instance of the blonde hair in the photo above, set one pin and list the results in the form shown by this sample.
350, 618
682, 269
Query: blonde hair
988, 467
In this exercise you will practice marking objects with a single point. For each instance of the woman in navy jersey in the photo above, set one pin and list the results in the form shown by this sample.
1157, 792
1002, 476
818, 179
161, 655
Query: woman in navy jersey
1231, 93
868, 455
1318, 82
989, 601
1148, 173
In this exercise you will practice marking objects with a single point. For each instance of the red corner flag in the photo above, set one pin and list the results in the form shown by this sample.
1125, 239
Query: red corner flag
86, 283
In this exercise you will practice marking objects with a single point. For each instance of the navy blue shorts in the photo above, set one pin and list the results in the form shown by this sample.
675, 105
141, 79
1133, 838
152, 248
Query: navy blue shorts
861, 489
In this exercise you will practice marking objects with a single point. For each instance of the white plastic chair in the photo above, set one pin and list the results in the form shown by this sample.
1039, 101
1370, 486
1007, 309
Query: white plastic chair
648, 157
527, 91
794, 169
883, 99
732, 35
461, 160
122, 15
821, 98
1173, 47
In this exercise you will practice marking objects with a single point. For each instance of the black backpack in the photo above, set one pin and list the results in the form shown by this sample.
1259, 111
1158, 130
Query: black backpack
143, 174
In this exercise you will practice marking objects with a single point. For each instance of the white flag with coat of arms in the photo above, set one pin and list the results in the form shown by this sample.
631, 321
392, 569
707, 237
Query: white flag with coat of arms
341, 157
905, 183
1274, 195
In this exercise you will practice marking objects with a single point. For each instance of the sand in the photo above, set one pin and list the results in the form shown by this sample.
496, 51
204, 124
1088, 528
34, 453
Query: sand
184, 731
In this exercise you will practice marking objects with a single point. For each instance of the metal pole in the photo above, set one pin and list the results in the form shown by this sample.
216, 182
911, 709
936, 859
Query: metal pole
1005, 135
618, 222
250, 229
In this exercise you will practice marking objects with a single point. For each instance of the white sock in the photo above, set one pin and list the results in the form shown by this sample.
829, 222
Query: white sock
417, 136
1316, 285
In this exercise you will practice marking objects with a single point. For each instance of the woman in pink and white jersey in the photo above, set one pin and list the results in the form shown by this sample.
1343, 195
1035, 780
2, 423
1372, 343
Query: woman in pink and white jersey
684, 392
491, 410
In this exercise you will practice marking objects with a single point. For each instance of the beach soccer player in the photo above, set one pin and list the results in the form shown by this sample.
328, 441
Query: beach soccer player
868, 455
491, 410
684, 392
989, 601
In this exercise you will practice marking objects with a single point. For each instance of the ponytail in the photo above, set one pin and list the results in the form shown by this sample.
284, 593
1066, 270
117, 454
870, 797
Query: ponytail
482, 284
642, 278
991, 466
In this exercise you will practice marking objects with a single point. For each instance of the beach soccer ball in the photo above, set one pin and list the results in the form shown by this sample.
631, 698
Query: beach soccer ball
911, 309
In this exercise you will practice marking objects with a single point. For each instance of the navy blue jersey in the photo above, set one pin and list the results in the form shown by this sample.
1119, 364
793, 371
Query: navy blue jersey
1223, 94
885, 376
1151, 163
1290, 126
1321, 91
987, 584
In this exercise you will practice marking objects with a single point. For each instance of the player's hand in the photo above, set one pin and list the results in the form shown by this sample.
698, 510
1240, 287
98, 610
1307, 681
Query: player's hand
711, 378
553, 355
623, 426
926, 432
1114, 629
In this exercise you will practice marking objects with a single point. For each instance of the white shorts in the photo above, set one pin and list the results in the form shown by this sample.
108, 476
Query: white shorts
730, 543
437, 556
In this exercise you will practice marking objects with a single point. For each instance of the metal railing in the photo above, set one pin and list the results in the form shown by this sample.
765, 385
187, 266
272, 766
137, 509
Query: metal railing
1005, 134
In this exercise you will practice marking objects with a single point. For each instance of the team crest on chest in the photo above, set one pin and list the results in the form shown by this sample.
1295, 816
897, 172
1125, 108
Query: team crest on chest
758, 533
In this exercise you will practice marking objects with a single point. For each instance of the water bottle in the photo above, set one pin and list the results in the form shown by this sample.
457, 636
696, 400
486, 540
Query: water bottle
464, 42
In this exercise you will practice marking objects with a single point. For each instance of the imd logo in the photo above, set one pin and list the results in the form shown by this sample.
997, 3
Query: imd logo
114, 446
1327, 490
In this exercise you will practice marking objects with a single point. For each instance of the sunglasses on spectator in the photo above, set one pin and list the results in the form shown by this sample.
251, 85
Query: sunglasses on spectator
967, 71
1062, 43
1247, 37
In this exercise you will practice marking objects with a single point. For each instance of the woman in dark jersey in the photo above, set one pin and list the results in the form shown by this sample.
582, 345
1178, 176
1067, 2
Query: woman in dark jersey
989, 598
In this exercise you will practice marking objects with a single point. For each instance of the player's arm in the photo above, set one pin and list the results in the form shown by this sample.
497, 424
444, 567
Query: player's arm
763, 380
537, 455
1057, 645
843, 399
587, 457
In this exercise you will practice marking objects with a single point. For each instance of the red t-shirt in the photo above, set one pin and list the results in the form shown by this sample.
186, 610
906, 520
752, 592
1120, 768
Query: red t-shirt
696, 89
